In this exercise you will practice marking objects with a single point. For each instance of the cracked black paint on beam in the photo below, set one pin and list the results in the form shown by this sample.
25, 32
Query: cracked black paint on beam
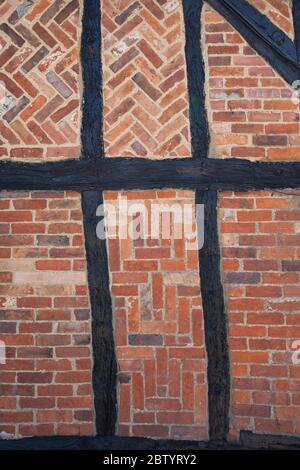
104, 374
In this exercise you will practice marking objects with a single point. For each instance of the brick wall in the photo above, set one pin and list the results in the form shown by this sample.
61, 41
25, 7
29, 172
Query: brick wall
145, 90
251, 113
278, 11
39, 79
155, 283
260, 239
159, 327
45, 317
45, 385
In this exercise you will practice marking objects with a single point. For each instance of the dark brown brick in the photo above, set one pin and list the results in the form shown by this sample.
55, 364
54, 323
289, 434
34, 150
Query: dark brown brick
242, 278
146, 86
147, 340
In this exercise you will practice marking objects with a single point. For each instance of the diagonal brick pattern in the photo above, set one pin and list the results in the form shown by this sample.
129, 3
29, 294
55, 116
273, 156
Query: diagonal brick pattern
158, 328
39, 99
145, 88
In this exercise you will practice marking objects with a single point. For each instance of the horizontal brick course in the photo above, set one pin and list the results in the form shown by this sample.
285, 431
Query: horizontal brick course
46, 384
250, 108
158, 331
263, 312
47, 336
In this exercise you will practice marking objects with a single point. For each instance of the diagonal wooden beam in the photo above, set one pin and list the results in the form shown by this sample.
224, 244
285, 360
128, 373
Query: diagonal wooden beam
296, 21
92, 174
266, 38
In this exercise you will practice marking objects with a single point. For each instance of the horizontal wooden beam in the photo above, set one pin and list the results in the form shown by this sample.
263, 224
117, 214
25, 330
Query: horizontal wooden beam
263, 35
253, 441
85, 444
129, 173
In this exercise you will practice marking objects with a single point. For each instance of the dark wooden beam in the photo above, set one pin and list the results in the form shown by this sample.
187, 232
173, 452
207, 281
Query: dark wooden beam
215, 324
129, 173
104, 375
92, 174
269, 441
90, 54
83, 445
218, 377
296, 21
196, 78
108, 443
104, 359
266, 38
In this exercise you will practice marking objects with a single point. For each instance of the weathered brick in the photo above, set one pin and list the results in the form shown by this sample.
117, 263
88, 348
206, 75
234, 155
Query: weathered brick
36, 354
153, 72
35, 45
259, 338
155, 283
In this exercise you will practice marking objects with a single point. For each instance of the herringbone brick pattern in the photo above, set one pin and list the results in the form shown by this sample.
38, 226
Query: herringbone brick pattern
39, 102
145, 88
158, 330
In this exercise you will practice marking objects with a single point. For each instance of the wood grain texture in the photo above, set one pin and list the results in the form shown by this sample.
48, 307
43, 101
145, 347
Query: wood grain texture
104, 365
108, 443
215, 324
269, 441
104, 375
129, 173
91, 129
85, 444
196, 78
296, 21
218, 377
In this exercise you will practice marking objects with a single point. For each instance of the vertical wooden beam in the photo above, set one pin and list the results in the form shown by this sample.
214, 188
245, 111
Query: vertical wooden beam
104, 374
105, 366
215, 324
196, 78
92, 120
218, 375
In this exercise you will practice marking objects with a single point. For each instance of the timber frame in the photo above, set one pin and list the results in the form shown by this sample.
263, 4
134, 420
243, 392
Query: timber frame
92, 174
